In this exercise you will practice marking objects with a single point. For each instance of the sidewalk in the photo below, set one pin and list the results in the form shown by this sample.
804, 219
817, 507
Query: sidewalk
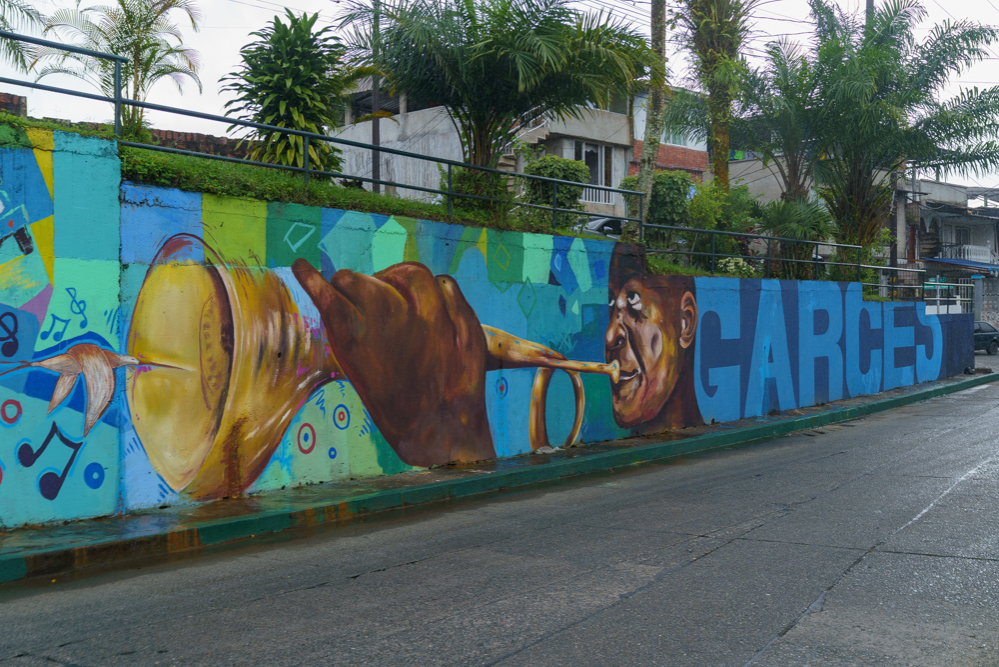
89, 545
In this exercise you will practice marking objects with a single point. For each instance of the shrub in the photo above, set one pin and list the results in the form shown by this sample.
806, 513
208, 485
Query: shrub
566, 196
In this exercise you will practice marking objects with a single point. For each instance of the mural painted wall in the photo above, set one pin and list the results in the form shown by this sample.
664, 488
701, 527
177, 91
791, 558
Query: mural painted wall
160, 346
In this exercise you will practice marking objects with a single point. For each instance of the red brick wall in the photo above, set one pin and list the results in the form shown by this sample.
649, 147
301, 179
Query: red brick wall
201, 143
14, 104
673, 157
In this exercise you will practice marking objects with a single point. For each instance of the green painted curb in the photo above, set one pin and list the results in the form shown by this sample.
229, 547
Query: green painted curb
210, 533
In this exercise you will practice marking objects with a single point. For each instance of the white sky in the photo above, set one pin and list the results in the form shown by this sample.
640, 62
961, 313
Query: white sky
228, 23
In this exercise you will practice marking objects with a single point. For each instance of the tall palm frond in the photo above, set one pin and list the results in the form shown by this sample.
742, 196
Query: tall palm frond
140, 30
17, 16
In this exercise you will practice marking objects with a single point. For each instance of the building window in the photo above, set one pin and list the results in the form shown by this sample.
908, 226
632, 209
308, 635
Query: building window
962, 235
675, 139
599, 160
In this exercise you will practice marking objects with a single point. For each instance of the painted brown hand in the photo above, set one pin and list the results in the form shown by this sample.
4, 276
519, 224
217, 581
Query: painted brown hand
415, 352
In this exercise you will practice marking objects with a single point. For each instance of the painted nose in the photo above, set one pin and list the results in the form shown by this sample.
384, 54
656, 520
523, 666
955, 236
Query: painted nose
615, 338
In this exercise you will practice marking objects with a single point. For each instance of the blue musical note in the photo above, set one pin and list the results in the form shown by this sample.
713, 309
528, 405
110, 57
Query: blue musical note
78, 306
50, 483
59, 334
8, 322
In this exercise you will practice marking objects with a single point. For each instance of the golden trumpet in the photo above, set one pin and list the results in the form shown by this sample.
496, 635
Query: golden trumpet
509, 351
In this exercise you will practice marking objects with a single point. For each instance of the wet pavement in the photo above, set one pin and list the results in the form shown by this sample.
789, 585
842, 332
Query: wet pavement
872, 542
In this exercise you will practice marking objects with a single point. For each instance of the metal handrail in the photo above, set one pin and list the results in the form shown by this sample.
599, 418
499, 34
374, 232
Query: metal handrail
118, 101
769, 257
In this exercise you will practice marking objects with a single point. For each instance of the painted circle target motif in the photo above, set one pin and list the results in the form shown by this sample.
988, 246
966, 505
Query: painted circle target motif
93, 475
5, 415
341, 417
502, 386
306, 438
332, 452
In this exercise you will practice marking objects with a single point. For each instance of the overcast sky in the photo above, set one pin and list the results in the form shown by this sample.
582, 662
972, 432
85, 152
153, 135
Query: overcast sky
227, 24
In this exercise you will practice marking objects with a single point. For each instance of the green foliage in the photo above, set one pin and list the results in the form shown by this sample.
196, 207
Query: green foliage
497, 65
480, 184
800, 220
293, 76
566, 196
670, 198
737, 267
195, 174
140, 30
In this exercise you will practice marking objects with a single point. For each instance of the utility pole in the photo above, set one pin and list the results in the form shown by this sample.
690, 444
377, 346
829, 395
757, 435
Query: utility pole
870, 12
376, 104
653, 111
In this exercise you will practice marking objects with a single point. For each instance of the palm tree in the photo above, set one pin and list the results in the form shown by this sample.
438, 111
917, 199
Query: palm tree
140, 30
496, 64
880, 89
17, 15
714, 32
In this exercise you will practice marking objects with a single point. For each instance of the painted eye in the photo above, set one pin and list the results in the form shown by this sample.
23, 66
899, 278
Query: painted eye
634, 300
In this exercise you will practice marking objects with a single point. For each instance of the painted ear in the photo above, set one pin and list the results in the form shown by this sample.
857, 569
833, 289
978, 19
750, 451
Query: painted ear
688, 320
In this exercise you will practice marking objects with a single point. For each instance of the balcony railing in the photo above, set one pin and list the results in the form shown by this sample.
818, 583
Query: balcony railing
974, 253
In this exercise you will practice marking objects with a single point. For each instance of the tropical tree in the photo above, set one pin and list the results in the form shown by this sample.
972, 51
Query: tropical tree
293, 76
714, 32
16, 16
498, 64
140, 30
880, 89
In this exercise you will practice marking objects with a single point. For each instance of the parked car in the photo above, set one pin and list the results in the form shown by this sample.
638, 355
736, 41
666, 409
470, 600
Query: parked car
986, 337
609, 227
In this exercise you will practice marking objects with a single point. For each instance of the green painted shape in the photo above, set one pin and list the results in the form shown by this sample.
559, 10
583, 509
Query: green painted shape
87, 181
527, 298
537, 257
388, 460
293, 232
235, 228
505, 263
348, 244
14, 137
13, 568
388, 246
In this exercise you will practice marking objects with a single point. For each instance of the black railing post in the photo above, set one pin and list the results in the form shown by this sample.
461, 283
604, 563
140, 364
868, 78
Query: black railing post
815, 262
305, 147
554, 206
117, 98
641, 218
712, 252
449, 189
768, 259
858, 265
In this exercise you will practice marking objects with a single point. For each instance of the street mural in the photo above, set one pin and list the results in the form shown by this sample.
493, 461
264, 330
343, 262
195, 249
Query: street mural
160, 347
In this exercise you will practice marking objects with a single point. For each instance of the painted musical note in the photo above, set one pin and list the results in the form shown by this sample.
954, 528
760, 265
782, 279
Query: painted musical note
50, 483
8, 322
78, 306
59, 334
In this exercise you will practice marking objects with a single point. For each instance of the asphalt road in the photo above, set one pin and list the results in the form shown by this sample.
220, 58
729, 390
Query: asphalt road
870, 543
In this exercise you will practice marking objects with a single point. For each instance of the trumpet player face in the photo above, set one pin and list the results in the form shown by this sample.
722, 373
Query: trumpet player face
649, 335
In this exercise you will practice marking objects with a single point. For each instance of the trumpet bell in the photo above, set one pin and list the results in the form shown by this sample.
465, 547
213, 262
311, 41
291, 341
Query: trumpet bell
227, 360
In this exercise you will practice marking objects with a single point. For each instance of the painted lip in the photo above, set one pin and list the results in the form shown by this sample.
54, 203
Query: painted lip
627, 376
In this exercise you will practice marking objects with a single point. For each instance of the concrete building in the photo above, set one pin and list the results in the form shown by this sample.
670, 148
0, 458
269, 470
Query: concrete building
608, 141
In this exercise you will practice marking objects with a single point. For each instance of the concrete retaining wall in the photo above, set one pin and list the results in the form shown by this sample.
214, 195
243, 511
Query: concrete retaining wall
164, 347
